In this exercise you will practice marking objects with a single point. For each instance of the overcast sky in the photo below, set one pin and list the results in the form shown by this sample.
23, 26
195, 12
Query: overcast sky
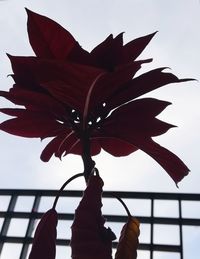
176, 45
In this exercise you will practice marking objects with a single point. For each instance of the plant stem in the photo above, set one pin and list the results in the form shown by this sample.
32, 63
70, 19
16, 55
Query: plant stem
86, 156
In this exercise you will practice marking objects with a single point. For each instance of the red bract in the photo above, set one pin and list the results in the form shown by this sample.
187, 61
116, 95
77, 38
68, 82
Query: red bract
90, 239
76, 97
44, 243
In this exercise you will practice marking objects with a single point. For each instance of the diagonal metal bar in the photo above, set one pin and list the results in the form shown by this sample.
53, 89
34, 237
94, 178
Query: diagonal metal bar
7, 220
30, 228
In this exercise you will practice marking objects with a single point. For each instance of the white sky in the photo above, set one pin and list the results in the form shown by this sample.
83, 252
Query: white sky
177, 45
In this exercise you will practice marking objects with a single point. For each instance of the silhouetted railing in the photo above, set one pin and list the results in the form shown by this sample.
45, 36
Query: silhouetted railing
158, 215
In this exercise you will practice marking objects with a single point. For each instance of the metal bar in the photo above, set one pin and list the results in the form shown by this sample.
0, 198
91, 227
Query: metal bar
30, 228
106, 194
66, 242
34, 214
110, 218
151, 229
7, 220
180, 229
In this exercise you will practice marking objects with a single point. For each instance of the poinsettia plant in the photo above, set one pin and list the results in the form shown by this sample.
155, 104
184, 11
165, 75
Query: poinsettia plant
87, 101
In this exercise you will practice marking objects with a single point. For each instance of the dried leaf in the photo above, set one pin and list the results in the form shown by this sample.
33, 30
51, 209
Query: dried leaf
128, 242
90, 238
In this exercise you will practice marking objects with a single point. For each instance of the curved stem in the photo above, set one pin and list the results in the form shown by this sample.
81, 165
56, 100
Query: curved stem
63, 186
123, 203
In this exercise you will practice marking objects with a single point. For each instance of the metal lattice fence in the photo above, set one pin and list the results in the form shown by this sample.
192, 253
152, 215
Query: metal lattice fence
155, 211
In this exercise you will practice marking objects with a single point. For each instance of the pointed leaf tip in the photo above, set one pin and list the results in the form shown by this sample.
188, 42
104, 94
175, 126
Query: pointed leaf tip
48, 38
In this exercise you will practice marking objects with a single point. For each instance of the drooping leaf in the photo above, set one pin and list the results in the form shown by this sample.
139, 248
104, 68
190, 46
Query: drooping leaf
44, 242
128, 242
90, 238
171, 163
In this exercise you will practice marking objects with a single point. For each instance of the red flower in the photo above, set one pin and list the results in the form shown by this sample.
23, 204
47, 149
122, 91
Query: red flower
78, 97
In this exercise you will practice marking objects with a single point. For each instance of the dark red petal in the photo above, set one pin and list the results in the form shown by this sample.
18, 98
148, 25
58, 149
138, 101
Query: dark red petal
135, 47
144, 107
172, 164
53, 146
44, 242
80, 56
72, 80
32, 127
47, 38
117, 147
77, 148
66, 94
95, 147
112, 82
25, 114
66, 145
13, 111
90, 239
108, 54
35, 101
137, 119
142, 85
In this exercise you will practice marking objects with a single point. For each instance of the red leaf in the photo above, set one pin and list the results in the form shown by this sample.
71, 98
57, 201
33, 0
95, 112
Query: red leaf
128, 242
66, 81
32, 127
114, 81
172, 164
135, 47
108, 54
90, 239
67, 143
117, 147
139, 115
141, 85
35, 101
169, 161
66, 94
53, 146
44, 242
47, 38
